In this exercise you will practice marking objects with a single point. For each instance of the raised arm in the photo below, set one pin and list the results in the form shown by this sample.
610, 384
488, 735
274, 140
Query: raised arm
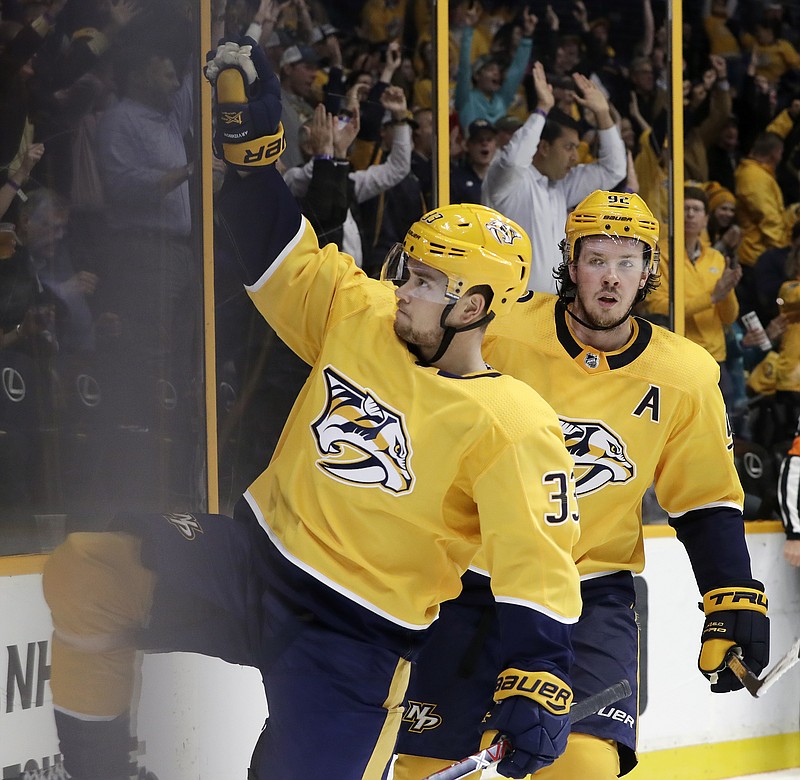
257, 212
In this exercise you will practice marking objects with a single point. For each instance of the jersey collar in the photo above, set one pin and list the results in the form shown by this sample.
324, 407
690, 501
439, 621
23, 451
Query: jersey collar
593, 360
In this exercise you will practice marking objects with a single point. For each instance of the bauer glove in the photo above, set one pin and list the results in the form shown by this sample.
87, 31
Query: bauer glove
736, 616
532, 712
248, 133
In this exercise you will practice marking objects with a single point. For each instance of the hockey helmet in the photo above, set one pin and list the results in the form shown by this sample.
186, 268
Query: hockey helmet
471, 245
614, 214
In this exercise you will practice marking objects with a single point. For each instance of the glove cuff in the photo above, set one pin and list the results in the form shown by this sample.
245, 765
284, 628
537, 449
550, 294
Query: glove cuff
736, 597
544, 688
256, 153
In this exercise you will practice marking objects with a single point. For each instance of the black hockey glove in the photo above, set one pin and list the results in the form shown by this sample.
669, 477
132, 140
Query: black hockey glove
736, 616
532, 712
248, 133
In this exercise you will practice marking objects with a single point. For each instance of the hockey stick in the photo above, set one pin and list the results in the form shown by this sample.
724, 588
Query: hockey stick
487, 757
755, 686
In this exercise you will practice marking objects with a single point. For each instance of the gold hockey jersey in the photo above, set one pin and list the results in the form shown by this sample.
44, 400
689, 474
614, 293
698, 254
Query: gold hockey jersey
650, 412
389, 475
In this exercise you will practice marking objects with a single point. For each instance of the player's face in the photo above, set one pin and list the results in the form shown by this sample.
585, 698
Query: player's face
420, 302
608, 274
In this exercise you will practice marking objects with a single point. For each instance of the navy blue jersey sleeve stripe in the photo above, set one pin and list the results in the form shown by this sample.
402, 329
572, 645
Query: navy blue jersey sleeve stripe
715, 543
258, 217
532, 641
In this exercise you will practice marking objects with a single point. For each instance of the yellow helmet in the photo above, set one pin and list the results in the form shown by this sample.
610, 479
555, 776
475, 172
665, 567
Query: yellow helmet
471, 245
615, 214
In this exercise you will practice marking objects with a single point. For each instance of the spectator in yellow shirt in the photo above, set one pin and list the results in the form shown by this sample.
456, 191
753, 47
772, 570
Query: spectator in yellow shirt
760, 208
710, 302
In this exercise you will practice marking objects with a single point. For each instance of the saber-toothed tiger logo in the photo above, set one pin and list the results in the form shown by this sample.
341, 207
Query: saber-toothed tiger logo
505, 234
364, 442
599, 453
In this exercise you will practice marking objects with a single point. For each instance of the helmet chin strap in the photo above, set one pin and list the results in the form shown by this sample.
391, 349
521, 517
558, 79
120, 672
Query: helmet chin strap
449, 333
597, 327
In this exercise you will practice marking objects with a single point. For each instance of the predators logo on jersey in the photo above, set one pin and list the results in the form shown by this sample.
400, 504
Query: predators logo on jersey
421, 716
187, 524
362, 440
599, 453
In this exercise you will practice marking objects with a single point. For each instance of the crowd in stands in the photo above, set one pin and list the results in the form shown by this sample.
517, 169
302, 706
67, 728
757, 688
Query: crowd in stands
548, 101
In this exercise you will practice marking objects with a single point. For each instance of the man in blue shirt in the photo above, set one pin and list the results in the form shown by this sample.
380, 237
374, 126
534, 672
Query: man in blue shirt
481, 90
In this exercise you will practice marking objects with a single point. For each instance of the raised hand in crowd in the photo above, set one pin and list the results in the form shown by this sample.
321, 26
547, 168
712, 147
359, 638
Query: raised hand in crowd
321, 132
122, 13
720, 66
529, 22
269, 12
32, 155
544, 91
18, 178
393, 60
553, 21
329, 47
393, 99
591, 97
709, 78
581, 15
345, 130
635, 113
304, 21
355, 95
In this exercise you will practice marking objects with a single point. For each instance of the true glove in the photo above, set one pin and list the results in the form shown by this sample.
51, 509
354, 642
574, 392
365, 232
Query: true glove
248, 132
532, 712
736, 616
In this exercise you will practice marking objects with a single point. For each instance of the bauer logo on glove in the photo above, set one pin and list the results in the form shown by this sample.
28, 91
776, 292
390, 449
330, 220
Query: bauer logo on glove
542, 687
247, 106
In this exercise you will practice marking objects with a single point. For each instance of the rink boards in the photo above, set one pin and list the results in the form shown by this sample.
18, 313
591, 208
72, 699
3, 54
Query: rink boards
198, 718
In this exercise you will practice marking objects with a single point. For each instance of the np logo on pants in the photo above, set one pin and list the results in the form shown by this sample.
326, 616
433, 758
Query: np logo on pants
187, 524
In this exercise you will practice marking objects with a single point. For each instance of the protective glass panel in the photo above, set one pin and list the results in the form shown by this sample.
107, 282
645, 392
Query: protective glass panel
101, 401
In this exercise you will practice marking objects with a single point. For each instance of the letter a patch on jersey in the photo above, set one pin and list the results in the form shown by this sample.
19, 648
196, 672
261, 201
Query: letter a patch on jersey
362, 440
650, 403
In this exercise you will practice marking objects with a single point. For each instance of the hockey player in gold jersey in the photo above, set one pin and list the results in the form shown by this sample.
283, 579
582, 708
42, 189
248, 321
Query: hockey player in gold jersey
638, 405
404, 455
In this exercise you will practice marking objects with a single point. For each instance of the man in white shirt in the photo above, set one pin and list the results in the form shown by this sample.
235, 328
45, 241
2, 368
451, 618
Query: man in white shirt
535, 178
371, 181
